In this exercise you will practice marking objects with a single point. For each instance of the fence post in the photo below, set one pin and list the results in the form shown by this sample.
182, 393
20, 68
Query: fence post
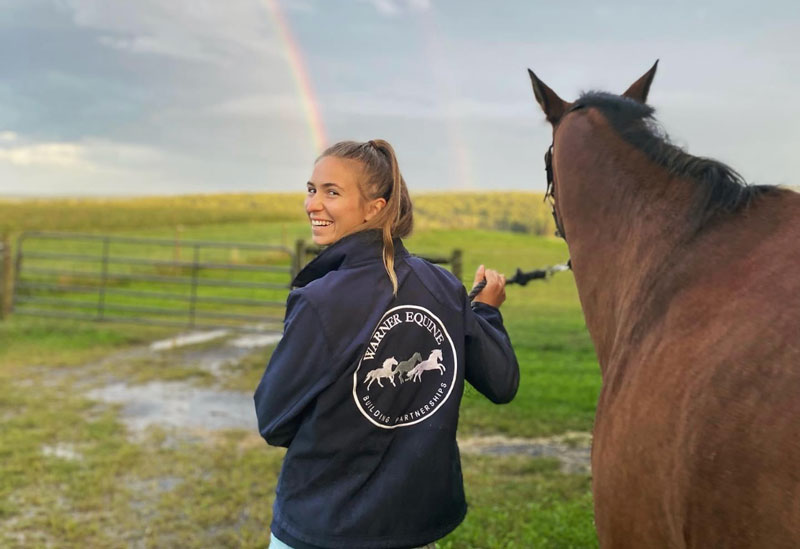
178, 231
299, 258
195, 272
16, 281
456, 263
6, 278
101, 299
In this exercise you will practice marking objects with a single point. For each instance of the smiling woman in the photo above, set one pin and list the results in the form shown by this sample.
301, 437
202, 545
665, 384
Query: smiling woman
361, 188
364, 388
334, 203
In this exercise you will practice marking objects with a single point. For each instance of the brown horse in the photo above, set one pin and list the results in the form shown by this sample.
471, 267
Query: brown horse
689, 281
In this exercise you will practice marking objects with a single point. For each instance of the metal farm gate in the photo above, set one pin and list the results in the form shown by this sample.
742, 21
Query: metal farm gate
183, 284
192, 284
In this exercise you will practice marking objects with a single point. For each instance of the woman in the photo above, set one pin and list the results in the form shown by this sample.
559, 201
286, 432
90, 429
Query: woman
365, 385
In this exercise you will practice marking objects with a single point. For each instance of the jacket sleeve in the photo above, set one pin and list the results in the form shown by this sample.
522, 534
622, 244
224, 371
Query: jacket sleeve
491, 365
295, 375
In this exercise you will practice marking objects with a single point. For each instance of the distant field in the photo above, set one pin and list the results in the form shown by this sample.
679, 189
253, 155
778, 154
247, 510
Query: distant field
507, 211
185, 491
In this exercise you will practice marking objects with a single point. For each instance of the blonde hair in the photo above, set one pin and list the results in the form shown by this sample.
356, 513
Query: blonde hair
380, 178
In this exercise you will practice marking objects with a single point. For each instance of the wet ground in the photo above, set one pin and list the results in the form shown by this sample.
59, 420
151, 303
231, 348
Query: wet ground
179, 405
183, 406
572, 450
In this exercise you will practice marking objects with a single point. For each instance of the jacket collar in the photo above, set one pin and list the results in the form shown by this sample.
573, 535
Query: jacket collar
352, 250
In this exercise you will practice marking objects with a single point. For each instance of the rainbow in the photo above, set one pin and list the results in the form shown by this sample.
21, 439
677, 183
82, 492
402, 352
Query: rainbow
459, 152
294, 57
443, 81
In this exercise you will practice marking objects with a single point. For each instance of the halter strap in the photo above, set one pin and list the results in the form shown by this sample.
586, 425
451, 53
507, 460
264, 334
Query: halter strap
550, 194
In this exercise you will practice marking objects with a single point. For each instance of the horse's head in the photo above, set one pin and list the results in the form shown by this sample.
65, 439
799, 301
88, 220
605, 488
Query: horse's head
629, 203
556, 108
437, 353
565, 143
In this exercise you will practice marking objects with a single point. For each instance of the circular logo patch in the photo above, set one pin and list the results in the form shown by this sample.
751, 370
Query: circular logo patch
408, 368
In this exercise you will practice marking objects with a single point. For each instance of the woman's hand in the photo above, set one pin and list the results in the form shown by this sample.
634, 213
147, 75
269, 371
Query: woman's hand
494, 293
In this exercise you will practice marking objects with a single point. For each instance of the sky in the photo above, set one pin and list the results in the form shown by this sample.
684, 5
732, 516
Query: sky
146, 97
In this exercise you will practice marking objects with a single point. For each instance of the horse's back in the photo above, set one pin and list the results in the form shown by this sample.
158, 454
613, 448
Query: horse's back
698, 443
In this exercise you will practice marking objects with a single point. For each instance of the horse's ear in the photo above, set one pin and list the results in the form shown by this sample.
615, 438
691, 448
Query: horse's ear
552, 105
639, 89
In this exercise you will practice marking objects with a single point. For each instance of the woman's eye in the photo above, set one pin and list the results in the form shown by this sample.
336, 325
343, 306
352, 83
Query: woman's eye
310, 190
332, 193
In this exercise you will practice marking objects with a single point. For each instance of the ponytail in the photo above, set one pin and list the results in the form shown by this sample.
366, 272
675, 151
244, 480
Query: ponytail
381, 179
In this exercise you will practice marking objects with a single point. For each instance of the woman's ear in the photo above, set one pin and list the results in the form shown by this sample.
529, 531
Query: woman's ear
374, 208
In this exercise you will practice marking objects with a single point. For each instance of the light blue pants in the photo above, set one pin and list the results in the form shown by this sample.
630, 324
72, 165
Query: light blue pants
275, 543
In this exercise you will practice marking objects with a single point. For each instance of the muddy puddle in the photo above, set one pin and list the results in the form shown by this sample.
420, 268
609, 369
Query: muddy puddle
572, 449
184, 407
179, 405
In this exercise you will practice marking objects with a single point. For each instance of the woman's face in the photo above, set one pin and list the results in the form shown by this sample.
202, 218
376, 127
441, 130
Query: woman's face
333, 201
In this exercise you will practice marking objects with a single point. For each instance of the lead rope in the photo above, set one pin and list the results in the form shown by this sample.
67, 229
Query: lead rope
522, 278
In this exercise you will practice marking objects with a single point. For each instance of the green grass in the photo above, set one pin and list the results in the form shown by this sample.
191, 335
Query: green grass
245, 374
50, 500
215, 490
29, 341
517, 502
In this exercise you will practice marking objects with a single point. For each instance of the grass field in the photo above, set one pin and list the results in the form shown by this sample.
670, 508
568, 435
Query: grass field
519, 212
71, 475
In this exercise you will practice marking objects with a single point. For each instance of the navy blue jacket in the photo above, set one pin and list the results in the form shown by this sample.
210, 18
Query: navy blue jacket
364, 390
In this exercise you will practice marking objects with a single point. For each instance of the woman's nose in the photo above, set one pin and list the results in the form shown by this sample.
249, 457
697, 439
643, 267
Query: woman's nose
312, 203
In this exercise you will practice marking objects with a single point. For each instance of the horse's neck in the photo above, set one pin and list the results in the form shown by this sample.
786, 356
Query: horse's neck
621, 216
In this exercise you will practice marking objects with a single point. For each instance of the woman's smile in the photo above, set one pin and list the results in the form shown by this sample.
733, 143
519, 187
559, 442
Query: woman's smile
333, 201
320, 222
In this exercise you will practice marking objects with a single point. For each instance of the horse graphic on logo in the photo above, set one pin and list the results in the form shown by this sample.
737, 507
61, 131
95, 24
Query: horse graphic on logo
384, 371
431, 363
404, 367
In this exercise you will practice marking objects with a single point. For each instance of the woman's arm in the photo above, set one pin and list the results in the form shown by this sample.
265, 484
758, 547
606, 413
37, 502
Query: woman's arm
491, 365
294, 375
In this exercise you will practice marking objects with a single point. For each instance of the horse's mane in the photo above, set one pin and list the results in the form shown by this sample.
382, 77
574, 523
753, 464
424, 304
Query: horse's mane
720, 189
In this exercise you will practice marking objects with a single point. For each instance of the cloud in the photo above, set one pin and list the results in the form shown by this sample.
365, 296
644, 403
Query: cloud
395, 7
179, 47
302, 6
419, 5
111, 154
84, 155
198, 30
66, 155
367, 104
283, 105
385, 7
253, 160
